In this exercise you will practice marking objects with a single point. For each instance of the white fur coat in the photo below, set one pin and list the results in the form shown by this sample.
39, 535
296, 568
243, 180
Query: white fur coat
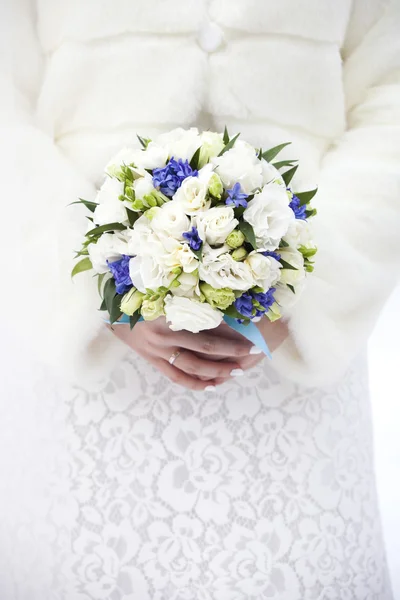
89, 74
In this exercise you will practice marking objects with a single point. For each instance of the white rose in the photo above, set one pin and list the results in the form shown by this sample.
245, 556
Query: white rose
108, 247
153, 157
190, 315
143, 186
171, 220
211, 145
188, 285
240, 164
299, 234
216, 224
226, 272
148, 272
265, 269
295, 259
192, 195
110, 209
180, 143
181, 256
126, 156
271, 174
270, 215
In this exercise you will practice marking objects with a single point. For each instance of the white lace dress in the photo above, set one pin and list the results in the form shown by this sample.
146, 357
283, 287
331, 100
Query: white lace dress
144, 491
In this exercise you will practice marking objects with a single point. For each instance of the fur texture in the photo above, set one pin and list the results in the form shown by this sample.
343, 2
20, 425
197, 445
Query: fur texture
92, 75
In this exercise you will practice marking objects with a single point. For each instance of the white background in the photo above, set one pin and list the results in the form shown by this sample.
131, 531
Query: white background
384, 357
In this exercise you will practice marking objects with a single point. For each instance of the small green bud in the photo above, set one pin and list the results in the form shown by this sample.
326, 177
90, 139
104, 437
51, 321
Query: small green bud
131, 302
151, 310
137, 205
215, 186
235, 239
149, 201
175, 284
177, 271
217, 298
239, 254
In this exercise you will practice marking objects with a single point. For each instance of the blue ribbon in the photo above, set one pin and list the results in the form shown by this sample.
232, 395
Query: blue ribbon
249, 331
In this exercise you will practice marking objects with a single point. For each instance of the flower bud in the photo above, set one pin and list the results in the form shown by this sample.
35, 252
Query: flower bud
151, 310
131, 302
215, 186
149, 201
239, 254
235, 239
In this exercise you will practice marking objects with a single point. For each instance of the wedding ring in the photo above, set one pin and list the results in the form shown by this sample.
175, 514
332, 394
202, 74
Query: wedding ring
173, 357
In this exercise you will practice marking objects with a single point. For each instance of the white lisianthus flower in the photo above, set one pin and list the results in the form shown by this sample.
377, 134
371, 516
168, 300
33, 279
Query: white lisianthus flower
299, 234
240, 164
192, 196
180, 143
270, 215
265, 269
153, 157
110, 209
171, 220
188, 314
224, 272
188, 285
180, 255
216, 224
284, 295
211, 145
143, 186
294, 258
149, 272
141, 240
271, 174
109, 247
126, 156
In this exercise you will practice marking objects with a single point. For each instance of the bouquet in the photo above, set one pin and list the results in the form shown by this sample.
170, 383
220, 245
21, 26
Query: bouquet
198, 227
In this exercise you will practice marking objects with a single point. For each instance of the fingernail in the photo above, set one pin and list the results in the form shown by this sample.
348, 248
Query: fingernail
237, 373
255, 350
256, 319
210, 388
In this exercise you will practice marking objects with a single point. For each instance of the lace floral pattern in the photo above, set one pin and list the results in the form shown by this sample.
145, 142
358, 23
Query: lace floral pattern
264, 490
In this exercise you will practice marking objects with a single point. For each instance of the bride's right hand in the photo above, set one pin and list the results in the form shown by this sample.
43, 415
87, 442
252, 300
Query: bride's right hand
155, 342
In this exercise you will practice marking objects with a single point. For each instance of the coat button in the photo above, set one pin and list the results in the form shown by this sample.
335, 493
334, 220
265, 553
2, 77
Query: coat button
210, 37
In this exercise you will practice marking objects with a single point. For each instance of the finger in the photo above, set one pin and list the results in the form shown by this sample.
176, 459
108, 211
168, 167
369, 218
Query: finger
209, 344
179, 377
201, 367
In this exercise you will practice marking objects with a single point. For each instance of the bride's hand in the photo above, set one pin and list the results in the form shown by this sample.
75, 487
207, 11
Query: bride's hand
198, 365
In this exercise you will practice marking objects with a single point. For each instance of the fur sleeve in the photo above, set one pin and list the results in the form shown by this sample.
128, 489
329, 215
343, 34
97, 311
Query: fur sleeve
56, 318
358, 225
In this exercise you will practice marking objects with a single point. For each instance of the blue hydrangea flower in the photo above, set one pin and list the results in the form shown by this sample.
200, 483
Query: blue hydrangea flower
274, 255
244, 305
170, 178
236, 197
299, 211
266, 299
193, 238
120, 272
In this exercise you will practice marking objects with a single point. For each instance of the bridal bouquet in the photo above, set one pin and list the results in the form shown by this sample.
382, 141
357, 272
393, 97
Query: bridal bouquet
198, 227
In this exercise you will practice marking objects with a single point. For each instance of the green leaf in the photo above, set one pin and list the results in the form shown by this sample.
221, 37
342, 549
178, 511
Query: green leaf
90, 205
100, 281
103, 305
284, 244
115, 312
229, 145
248, 233
291, 288
226, 136
259, 154
194, 163
232, 312
109, 293
284, 163
134, 319
83, 265
143, 141
311, 213
104, 228
270, 154
239, 210
286, 265
132, 216
305, 197
199, 253
288, 175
